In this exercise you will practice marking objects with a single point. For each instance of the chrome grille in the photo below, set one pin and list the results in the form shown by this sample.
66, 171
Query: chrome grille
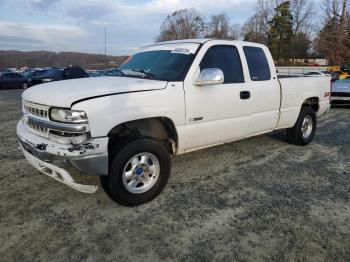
37, 112
35, 109
37, 128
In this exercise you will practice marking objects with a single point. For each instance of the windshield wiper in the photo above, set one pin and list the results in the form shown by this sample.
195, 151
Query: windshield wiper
143, 73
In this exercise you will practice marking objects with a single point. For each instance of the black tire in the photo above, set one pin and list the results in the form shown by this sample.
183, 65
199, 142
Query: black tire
24, 85
295, 133
113, 183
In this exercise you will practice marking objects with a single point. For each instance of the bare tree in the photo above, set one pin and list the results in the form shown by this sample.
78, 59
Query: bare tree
236, 31
302, 11
332, 40
253, 30
182, 24
257, 26
219, 27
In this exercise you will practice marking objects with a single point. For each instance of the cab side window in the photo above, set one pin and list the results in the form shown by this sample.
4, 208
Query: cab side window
227, 59
258, 65
16, 75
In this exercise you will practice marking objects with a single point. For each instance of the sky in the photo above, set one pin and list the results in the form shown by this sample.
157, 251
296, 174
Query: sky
78, 25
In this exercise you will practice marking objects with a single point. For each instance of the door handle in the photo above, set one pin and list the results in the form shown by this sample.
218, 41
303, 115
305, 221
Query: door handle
244, 94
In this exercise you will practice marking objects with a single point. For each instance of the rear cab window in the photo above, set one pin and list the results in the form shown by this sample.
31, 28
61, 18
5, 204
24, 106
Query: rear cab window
258, 65
226, 58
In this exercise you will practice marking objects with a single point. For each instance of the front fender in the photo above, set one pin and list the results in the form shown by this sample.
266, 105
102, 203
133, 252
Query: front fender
104, 113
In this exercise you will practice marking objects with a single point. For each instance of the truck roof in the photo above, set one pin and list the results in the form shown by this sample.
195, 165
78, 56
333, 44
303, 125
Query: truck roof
194, 40
201, 41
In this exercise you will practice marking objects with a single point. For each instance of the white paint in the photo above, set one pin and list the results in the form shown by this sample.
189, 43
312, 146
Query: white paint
225, 117
177, 48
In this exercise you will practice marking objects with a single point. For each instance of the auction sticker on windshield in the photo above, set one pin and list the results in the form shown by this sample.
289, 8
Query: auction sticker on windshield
184, 51
183, 48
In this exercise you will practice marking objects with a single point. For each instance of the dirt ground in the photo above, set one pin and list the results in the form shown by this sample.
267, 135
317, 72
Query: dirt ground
257, 199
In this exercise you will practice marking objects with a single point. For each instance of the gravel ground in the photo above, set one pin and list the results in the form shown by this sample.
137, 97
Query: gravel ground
256, 199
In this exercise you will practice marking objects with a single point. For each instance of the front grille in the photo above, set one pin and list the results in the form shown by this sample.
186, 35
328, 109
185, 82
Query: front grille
37, 127
36, 119
37, 112
35, 109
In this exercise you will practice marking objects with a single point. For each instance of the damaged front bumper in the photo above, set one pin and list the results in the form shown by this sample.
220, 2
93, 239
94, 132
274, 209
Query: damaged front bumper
50, 157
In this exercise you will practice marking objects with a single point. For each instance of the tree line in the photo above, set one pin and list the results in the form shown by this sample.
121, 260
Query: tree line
18, 59
292, 29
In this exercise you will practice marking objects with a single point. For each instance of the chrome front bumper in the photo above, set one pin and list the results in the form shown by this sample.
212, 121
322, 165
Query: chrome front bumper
49, 157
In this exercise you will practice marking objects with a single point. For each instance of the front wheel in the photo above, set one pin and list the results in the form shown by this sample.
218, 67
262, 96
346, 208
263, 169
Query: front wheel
139, 172
24, 85
304, 129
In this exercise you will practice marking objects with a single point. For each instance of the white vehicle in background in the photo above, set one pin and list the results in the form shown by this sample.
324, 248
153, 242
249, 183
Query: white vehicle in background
316, 73
171, 98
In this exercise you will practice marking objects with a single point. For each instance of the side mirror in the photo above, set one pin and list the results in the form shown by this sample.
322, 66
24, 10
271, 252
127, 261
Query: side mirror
210, 76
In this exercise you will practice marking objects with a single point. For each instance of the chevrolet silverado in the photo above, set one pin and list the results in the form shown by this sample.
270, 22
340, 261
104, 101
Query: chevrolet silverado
169, 98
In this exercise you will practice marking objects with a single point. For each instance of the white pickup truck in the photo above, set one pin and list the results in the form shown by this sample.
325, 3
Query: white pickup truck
170, 98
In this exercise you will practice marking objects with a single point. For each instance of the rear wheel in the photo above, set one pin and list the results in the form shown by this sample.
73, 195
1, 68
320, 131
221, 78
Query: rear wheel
24, 85
304, 129
139, 172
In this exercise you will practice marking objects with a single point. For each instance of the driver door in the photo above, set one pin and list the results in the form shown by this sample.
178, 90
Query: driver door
217, 113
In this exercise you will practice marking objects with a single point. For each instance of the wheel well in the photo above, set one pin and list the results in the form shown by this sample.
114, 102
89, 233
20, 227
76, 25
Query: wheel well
313, 102
159, 128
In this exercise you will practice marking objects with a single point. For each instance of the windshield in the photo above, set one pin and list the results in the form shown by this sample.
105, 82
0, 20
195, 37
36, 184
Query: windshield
52, 72
27, 73
158, 64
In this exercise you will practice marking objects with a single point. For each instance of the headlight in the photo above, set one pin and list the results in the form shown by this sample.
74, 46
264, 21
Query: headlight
68, 116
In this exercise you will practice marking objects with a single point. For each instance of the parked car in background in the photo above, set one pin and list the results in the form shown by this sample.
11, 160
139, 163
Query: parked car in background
2, 70
315, 73
34, 73
107, 72
13, 80
57, 74
112, 72
94, 73
334, 75
341, 92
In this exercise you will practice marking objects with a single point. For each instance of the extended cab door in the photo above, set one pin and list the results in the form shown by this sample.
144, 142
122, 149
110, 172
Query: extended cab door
216, 113
264, 88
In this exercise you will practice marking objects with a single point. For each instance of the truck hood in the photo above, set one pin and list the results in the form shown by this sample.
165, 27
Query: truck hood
65, 93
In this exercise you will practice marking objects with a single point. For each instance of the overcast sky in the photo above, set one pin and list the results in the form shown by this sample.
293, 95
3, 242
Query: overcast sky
77, 25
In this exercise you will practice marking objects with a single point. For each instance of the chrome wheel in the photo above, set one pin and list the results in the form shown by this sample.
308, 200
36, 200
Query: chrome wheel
141, 173
307, 126
24, 86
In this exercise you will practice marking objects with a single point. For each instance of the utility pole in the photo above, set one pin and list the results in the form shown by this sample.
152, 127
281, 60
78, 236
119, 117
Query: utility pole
105, 46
